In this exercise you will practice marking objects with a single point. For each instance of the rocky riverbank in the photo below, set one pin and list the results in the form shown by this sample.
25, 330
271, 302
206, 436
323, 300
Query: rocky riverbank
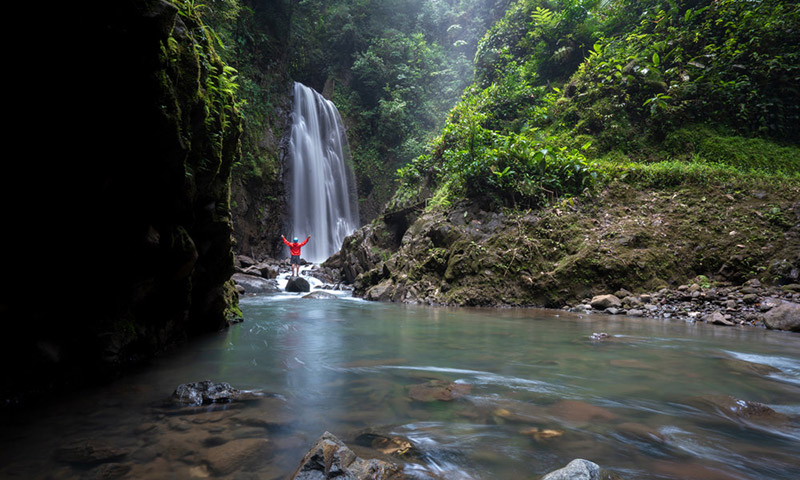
749, 304
700, 253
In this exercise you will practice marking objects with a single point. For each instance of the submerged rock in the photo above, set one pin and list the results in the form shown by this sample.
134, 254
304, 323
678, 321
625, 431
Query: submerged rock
578, 469
577, 411
331, 458
231, 456
389, 445
438, 390
744, 410
89, 452
320, 295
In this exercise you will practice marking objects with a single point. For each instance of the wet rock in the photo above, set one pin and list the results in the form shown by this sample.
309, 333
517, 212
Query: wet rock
785, 316
388, 445
578, 469
601, 302
234, 455
208, 392
438, 390
331, 458
599, 336
298, 284
255, 284
320, 295
89, 452
635, 312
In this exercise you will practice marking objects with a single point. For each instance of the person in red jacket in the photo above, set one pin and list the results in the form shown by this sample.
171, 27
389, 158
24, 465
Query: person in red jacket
294, 250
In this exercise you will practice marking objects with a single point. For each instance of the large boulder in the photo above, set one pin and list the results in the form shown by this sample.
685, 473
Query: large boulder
602, 302
578, 469
784, 316
255, 284
298, 284
331, 458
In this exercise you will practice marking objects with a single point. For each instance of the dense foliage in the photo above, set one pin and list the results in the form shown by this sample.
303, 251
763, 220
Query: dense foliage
625, 83
397, 66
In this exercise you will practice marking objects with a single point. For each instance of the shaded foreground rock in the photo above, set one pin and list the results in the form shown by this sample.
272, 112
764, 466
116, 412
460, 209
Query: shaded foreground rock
578, 469
331, 458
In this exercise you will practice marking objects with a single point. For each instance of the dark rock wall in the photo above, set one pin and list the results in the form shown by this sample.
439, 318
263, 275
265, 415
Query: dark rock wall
127, 249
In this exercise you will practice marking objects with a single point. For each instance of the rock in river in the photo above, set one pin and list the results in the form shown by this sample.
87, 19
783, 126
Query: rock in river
578, 469
438, 390
298, 284
207, 392
254, 284
320, 295
231, 456
331, 458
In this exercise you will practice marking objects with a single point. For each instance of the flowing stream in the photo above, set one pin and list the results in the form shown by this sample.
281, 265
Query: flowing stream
322, 194
535, 391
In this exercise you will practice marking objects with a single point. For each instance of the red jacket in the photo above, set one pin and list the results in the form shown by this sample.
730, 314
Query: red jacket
294, 248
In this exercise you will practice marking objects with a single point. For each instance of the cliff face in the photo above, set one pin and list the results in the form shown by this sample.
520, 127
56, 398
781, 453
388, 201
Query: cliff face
133, 207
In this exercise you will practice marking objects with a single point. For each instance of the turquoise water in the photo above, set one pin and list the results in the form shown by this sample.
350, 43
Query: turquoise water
532, 392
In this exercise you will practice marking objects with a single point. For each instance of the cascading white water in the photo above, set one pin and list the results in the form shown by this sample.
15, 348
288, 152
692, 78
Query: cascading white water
322, 193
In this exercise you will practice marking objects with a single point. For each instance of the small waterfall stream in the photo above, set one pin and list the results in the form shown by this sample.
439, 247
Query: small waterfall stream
322, 190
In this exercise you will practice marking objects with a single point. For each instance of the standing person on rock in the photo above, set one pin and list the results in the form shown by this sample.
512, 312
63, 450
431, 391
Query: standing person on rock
294, 250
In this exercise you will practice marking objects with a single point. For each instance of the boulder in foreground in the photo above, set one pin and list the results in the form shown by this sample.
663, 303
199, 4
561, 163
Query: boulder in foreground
578, 469
331, 458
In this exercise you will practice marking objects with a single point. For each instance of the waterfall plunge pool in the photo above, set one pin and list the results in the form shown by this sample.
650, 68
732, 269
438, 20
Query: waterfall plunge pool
655, 400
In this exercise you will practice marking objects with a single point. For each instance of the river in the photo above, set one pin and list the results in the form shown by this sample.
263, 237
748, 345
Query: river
534, 392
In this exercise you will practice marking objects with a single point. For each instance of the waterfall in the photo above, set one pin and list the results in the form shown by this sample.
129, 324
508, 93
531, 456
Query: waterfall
322, 190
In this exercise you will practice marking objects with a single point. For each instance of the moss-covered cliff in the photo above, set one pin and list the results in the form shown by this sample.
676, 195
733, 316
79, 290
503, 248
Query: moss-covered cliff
131, 220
